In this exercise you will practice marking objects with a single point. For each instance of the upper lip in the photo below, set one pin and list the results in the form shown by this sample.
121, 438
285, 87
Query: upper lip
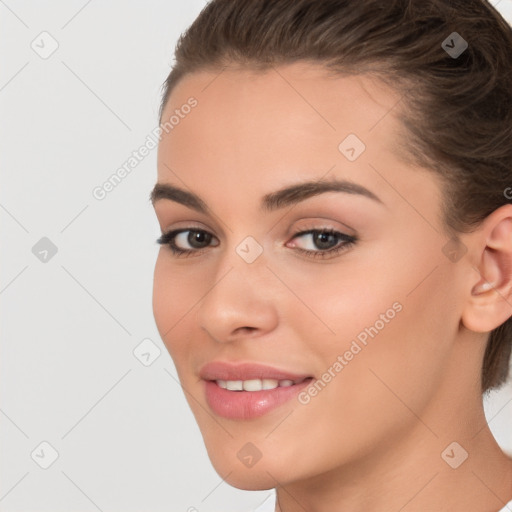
223, 370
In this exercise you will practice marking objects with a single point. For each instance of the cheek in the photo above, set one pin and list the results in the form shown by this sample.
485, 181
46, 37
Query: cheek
394, 323
339, 301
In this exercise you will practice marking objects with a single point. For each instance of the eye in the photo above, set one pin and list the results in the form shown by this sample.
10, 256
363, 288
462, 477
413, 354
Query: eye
324, 243
178, 239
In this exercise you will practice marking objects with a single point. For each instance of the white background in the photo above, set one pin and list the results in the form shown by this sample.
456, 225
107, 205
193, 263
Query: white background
125, 437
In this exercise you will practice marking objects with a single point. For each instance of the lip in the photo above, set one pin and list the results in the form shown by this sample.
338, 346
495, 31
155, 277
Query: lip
223, 370
244, 405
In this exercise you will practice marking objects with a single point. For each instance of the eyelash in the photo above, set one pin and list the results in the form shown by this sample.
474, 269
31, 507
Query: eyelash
169, 240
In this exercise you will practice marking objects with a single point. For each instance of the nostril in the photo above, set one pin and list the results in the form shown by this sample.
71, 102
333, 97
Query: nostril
245, 329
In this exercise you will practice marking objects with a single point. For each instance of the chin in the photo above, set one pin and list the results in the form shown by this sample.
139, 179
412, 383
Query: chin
266, 473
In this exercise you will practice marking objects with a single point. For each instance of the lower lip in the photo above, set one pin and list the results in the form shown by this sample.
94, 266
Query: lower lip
244, 405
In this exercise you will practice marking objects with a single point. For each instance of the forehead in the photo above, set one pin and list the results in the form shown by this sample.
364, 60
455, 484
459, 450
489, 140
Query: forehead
302, 95
258, 130
284, 109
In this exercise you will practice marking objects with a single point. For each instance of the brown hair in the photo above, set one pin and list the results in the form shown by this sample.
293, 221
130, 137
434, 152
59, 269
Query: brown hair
457, 114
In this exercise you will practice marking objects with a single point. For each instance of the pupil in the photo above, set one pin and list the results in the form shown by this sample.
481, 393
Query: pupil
197, 237
322, 240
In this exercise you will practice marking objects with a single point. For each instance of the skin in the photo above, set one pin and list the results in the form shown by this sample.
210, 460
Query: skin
372, 439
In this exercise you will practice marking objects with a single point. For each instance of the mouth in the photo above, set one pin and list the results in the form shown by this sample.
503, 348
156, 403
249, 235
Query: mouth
245, 391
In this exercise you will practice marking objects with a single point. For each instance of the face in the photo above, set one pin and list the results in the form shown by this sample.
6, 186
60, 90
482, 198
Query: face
348, 286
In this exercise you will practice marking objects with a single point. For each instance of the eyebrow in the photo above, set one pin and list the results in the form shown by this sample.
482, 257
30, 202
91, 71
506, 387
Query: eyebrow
289, 195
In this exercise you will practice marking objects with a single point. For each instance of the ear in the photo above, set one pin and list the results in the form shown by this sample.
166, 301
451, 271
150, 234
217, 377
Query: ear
490, 302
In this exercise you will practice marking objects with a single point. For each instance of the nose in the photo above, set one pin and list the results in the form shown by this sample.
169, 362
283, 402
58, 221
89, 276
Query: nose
241, 302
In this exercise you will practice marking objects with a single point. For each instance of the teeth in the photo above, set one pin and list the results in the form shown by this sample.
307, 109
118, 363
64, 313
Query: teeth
269, 383
234, 385
253, 384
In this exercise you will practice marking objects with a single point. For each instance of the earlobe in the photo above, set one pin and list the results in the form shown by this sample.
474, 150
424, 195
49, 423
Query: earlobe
489, 304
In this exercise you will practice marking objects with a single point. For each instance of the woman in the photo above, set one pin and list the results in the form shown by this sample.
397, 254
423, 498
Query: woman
335, 277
